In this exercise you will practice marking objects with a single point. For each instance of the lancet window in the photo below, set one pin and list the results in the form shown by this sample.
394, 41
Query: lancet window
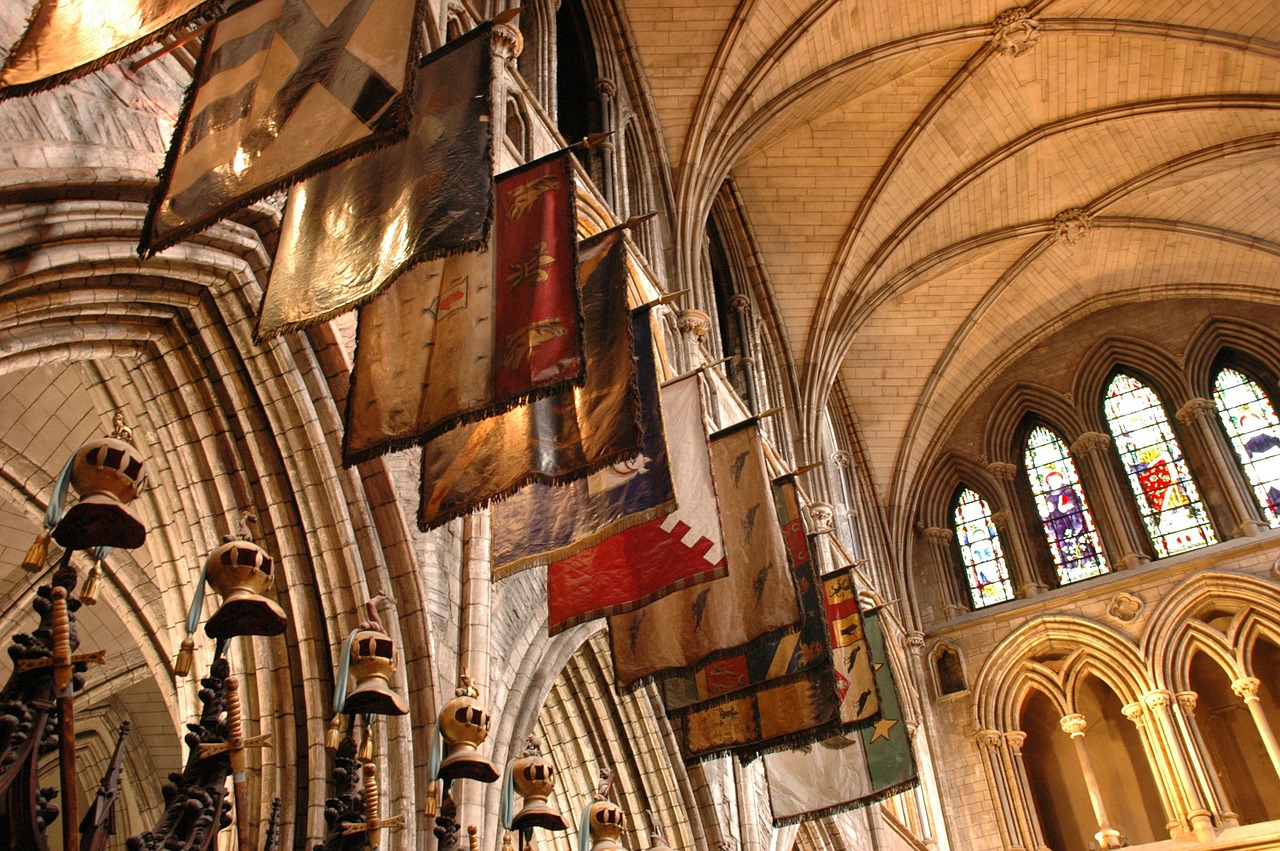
986, 571
1254, 431
1064, 514
1168, 500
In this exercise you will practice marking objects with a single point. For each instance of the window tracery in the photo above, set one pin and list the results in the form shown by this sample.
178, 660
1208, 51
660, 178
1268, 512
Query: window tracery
1064, 514
1168, 500
1253, 429
980, 550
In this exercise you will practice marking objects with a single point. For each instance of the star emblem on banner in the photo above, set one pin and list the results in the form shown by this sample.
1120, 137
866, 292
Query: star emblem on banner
882, 728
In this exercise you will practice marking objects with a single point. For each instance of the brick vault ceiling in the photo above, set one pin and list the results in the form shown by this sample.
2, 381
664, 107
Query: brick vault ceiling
902, 173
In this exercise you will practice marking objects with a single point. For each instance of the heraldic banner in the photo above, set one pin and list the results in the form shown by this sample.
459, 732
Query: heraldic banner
776, 656
838, 695
282, 90
638, 565
755, 598
850, 770
66, 39
446, 344
557, 439
541, 523
349, 231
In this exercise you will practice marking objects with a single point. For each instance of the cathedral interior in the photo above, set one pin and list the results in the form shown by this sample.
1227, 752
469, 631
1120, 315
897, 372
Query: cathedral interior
1011, 277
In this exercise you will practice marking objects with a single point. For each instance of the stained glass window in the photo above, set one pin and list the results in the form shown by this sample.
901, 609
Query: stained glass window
980, 548
1073, 540
1254, 429
1167, 497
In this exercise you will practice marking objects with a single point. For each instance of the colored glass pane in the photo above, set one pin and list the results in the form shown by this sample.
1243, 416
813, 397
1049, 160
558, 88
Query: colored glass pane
980, 548
1254, 429
1167, 497
1073, 539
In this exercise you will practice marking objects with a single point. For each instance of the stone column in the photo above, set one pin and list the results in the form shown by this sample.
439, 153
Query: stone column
1125, 545
1184, 807
1247, 688
1199, 415
1017, 553
1015, 739
607, 149
821, 515
1208, 779
1107, 836
990, 743
939, 539
473, 641
695, 325
741, 304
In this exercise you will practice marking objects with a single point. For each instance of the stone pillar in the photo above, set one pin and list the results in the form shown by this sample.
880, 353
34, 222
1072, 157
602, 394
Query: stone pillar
1207, 778
1017, 552
695, 325
473, 641
607, 149
1185, 812
1199, 415
939, 539
990, 743
1015, 739
1107, 836
1247, 688
821, 515
1125, 545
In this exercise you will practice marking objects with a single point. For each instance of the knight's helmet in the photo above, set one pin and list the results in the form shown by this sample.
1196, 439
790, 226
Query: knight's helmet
464, 725
107, 473
241, 572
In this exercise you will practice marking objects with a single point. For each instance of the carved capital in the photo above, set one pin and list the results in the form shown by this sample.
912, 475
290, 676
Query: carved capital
740, 302
1158, 700
1195, 409
606, 88
1090, 442
989, 739
842, 459
1003, 470
1247, 688
1134, 712
937, 535
915, 642
508, 42
694, 323
1001, 519
1187, 700
822, 516
1071, 226
1014, 31
1074, 724
1131, 561
1016, 739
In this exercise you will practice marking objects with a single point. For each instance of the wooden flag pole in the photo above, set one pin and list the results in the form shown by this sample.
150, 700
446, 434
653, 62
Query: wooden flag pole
62, 681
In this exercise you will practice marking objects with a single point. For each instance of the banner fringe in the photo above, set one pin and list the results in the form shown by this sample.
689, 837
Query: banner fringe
848, 806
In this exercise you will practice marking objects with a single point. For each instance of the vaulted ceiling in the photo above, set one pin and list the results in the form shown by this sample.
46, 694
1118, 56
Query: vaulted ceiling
935, 187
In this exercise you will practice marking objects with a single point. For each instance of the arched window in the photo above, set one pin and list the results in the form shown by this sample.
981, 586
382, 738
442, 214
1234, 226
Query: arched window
1167, 497
983, 557
1254, 430
1064, 514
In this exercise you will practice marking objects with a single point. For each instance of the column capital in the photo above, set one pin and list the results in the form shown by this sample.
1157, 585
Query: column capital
1247, 688
937, 535
694, 323
1158, 699
1134, 712
1016, 739
1187, 700
1195, 409
1074, 724
1090, 442
822, 515
1001, 519
1003, 470
915, 642
989, 739
842, 459
740, 302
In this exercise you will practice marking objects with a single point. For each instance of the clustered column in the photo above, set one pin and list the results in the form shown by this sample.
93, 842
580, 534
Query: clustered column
1017, 553
1010, 789
1198, 414
1208, 778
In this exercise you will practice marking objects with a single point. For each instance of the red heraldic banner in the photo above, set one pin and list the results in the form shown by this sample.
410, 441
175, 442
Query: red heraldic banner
644, 562
474, 335
539, 335
558, 439
756, 598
